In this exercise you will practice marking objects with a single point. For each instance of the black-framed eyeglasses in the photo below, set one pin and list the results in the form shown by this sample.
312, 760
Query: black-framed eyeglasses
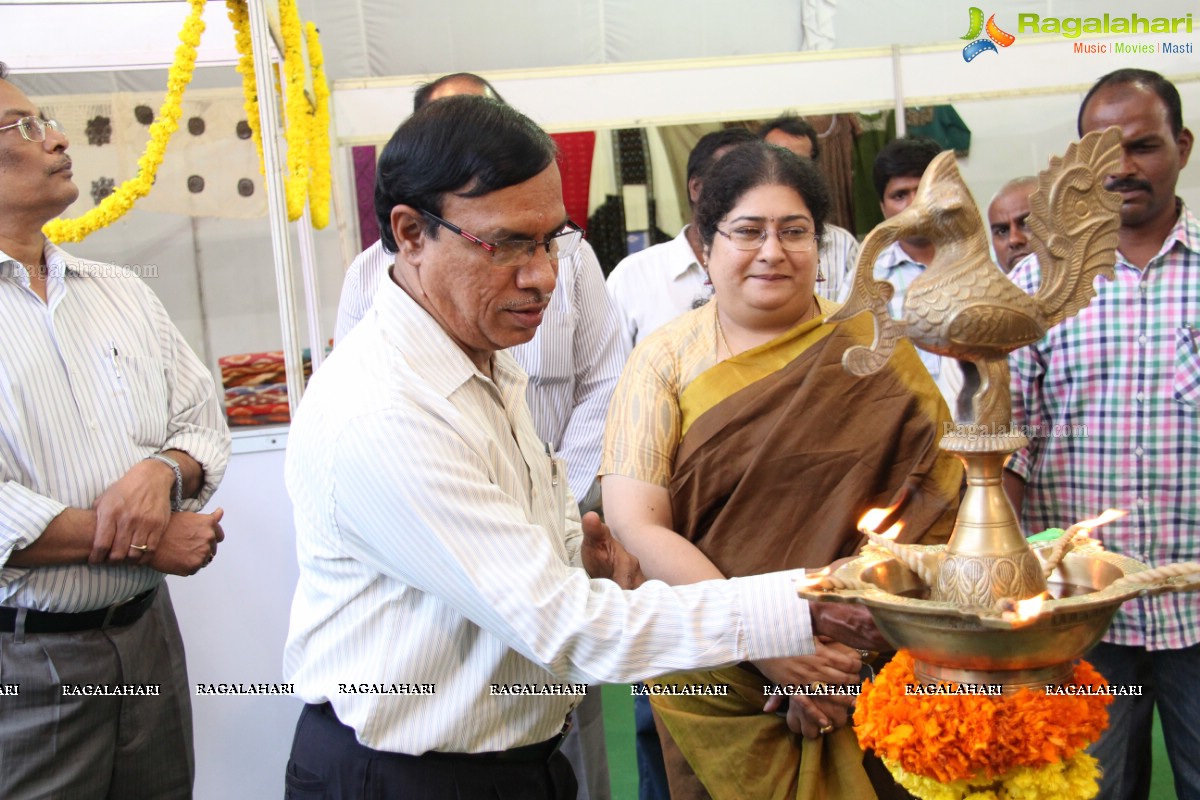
792, 239
518, 252
33, 129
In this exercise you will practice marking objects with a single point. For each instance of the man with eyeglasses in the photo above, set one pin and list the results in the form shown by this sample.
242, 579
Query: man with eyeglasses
113, 439
442, 621
573, 362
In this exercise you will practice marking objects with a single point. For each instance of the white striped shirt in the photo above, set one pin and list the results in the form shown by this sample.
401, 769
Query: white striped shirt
91, 382
573, 361
435, 548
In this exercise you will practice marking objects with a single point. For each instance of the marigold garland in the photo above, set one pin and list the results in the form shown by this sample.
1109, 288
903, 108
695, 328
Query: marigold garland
320, 170
239, 15
1072, 779
296, 111
306, 128
976, 739
117, 204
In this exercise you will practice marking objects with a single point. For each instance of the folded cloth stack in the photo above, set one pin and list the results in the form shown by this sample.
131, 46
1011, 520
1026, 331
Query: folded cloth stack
256, 388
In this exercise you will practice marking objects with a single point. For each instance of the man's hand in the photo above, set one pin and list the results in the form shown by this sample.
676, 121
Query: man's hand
189, 544
833, 663
132, 515
848, 623
812, 717
605, 557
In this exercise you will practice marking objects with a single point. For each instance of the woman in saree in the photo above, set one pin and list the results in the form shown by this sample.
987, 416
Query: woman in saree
736, 444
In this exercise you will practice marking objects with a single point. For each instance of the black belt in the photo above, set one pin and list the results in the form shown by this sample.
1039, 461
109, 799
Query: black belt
529, 753
125, 613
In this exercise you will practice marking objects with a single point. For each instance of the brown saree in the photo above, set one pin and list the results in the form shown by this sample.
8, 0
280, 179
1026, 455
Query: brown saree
782, 451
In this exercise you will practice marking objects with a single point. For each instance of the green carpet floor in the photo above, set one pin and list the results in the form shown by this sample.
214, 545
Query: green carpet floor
622, 762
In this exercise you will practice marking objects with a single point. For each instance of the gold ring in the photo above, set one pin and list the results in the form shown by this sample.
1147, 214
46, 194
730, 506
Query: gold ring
141, 547
825, 730
818, 684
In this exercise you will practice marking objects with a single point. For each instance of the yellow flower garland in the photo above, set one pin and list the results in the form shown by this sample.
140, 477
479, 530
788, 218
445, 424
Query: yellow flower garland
117, 204
321, 173
306, 128
239, 15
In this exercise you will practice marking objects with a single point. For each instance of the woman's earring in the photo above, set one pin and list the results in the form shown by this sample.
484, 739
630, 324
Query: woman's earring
820, 273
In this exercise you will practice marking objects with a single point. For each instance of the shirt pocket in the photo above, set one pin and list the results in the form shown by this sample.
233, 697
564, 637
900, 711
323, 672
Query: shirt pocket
1187, 367
140, 389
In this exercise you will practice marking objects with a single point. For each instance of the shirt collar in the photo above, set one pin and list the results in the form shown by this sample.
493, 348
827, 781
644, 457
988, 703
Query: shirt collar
682, 256
426, 346
56, 259
893, 257
1186, 233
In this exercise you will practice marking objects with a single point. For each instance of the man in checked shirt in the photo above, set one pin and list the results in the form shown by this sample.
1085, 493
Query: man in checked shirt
111, 440
1110, 402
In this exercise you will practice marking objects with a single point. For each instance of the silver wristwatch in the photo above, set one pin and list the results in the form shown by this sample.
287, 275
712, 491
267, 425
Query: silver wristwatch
177, 495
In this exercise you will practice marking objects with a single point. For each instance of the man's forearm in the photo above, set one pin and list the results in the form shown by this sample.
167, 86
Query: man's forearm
67, 540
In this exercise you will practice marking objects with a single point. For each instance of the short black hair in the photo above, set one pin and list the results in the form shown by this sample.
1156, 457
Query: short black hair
3, 71
701, 157
793, 125
903, 158
758, 164
421, 98
1156, 83
465, 144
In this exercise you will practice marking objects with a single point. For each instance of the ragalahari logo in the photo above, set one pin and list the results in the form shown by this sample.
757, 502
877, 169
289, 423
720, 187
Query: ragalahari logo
995, 36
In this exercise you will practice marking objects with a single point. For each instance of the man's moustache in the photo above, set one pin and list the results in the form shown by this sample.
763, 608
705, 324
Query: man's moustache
1127, 185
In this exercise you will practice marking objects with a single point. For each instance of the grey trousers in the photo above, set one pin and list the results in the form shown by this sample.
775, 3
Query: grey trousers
59, 738
584, 747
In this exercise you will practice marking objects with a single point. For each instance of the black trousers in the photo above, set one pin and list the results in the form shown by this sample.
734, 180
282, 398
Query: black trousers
328, 762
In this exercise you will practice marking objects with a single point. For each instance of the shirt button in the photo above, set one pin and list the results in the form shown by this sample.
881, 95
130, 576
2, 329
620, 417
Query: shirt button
1138, 451
1141, 501
1142, 339
1140, 396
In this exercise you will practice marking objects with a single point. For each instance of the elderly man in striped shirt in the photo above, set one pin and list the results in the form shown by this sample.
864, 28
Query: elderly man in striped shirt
1111, 402
111, 440
573, 362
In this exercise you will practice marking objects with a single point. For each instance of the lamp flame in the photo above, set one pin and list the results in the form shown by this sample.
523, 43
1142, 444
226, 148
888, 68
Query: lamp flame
813, 580
874, 517
1023, 612
1108, 516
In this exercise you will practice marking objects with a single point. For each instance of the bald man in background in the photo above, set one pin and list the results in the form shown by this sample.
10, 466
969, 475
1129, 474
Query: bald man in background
1007, 218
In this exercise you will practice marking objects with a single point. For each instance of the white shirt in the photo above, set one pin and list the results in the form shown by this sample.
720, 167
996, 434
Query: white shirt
436, 548
573, 360
91, 382
656, 285
838, 254
894, 266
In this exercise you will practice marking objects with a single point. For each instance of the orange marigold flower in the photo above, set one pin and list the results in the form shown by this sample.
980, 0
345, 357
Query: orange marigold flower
952, 737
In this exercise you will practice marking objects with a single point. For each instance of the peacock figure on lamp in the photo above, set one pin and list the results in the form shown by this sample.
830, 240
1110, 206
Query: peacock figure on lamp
964, 307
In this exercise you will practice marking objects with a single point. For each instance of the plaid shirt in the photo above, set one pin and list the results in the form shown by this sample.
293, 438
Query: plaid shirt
1111, 402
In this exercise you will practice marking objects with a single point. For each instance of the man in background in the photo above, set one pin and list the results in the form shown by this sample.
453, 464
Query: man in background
1119, 385
113, 439
898, 170
573, 362
838, 251
1007, 218
656, 285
